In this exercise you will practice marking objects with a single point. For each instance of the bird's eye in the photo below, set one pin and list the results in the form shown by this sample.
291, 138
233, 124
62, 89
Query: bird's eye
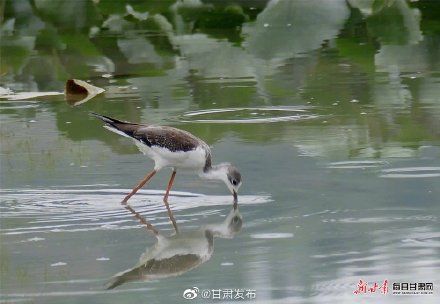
234, 182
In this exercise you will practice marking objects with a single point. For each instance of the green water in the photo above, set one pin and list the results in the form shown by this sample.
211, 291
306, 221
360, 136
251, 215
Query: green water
330, 109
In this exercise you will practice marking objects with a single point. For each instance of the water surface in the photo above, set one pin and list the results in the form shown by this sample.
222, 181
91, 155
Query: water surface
330, 109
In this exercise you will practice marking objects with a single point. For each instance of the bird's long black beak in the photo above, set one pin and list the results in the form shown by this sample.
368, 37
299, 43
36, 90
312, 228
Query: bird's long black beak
235, 199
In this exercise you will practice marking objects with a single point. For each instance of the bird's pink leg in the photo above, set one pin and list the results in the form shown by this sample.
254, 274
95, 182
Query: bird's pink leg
140, 185
165, 200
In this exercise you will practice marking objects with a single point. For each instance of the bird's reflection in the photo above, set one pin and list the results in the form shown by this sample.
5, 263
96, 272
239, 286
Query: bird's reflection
176, 254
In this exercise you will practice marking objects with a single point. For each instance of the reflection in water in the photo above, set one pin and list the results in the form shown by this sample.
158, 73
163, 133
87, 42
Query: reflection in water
176, 254
356, 189
296, 26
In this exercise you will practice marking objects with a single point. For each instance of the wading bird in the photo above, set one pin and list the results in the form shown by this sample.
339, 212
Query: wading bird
174, 148
176, 254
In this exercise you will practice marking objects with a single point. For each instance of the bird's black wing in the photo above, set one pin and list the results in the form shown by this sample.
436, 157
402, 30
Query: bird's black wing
166, 137
169, 138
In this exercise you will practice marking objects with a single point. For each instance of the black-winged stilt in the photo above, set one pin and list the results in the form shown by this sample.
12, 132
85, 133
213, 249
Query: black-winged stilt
174, 148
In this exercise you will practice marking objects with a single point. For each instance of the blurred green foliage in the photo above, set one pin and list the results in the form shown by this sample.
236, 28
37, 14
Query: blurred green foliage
193, 54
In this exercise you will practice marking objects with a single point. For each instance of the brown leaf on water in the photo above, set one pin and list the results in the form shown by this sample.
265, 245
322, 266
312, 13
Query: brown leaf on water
78, 91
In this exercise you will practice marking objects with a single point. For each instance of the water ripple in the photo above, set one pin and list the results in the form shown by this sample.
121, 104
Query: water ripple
72, 210
251, 115
411, 172
274, 235
356, 164
73, 293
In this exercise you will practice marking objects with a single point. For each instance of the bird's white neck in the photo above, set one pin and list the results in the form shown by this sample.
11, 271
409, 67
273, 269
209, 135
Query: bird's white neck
217, 172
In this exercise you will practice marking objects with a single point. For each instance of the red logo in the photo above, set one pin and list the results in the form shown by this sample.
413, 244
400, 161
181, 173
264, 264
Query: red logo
363, 287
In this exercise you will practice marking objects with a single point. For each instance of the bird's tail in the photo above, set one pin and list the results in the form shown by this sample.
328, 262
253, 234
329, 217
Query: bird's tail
120, 127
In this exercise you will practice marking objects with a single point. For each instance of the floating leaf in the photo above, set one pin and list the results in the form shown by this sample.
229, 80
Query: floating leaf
78, 91
8, 94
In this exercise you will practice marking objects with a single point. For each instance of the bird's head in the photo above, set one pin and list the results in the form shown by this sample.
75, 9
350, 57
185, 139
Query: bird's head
232, 179
227, 173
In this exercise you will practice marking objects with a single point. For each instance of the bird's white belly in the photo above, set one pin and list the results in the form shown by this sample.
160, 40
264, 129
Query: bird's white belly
194, 159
